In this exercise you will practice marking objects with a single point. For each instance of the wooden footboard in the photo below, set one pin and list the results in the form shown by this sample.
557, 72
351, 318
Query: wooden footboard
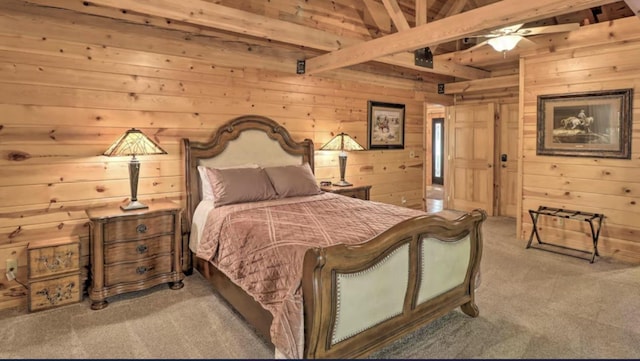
358, 299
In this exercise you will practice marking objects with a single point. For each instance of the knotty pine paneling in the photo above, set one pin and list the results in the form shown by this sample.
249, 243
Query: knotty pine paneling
609, 186
70, 84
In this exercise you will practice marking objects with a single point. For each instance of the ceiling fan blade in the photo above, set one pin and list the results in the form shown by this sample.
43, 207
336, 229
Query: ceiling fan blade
525, 43
483, 36
508, 29
549, 29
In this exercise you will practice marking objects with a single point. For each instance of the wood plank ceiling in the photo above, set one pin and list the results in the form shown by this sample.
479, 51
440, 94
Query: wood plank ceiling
379, 33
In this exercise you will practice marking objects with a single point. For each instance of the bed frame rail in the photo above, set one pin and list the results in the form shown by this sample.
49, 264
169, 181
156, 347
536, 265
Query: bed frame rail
404, 278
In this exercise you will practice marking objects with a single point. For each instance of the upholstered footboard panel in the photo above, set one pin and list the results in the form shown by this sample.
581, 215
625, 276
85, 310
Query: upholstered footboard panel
371, 296
359, 298
444, 265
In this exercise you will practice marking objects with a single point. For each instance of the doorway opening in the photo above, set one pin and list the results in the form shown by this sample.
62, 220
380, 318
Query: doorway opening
435, 188
437, 151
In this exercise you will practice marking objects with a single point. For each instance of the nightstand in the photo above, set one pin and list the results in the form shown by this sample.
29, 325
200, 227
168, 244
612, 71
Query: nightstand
134, 250
356, 191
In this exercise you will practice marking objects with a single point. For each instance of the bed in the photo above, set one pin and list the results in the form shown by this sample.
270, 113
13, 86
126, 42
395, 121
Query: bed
319, 275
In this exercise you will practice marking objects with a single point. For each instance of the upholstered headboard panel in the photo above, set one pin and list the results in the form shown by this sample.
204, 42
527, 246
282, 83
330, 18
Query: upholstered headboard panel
252, 146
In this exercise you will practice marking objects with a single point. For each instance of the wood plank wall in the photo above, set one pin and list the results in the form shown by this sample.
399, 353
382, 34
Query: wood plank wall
610, 186
71, 84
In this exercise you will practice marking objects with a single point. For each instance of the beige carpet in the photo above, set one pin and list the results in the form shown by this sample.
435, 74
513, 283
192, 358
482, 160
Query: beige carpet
533, 304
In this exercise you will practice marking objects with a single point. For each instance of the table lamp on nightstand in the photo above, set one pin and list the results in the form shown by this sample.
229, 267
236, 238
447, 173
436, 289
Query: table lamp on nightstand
133, 143
343, 143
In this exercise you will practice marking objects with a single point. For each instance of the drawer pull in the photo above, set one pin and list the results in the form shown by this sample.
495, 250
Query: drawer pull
142, 248
142, 228
143, 269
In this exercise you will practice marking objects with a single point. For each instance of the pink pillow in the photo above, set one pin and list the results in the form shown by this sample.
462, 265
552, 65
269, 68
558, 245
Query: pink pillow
207, 192
240, 185
293, 180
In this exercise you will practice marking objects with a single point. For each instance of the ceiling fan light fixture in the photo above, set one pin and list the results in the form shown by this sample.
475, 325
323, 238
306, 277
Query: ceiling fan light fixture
504, 42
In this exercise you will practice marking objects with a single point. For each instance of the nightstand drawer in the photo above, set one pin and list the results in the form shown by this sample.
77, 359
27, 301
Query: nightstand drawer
356, 193
54, 292
142, 227
137, 250
137, 271
53, 257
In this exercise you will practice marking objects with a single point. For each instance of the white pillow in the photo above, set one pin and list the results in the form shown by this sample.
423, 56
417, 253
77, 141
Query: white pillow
207, 190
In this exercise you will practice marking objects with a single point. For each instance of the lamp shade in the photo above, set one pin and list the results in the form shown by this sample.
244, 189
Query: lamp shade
505, 42
342, 142
133, 142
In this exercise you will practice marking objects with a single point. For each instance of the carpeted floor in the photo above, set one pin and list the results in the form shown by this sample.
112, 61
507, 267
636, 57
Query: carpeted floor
533, 304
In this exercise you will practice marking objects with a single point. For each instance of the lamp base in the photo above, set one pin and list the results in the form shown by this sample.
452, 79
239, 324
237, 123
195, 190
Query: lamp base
342, 184
133, 205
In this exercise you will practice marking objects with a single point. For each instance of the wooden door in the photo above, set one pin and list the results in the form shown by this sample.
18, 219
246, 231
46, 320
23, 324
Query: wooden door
469, 179
507, 158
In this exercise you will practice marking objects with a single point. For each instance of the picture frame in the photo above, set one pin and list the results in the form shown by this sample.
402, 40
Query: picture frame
385, 125
587, 124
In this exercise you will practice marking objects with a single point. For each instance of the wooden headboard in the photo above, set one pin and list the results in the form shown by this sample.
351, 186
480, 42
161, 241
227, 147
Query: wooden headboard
246, 139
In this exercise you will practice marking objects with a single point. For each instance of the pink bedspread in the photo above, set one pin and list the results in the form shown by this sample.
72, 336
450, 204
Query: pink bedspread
261, 247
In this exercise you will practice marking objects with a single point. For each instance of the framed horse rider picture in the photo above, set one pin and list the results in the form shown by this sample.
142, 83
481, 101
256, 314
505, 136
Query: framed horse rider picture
385, 125
589, 124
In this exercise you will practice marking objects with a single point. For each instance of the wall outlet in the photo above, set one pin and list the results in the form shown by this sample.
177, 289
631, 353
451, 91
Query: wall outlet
12, 265
12, 268
412, 154
403, 200
560, 221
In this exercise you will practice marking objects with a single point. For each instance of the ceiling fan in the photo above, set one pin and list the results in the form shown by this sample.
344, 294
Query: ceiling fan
505, 39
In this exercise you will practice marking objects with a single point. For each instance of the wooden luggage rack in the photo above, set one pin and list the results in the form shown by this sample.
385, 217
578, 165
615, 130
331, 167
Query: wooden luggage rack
567, 214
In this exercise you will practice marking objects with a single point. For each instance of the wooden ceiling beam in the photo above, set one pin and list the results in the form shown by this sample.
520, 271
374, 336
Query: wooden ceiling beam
422, 10
502, 13
216, 16
474, 86
237, 21
378, 14
396, 15
446, 66
456, 8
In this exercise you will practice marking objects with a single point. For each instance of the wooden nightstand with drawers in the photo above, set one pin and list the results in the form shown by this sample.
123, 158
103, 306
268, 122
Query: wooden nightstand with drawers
53, 267
134, 250
355, 191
